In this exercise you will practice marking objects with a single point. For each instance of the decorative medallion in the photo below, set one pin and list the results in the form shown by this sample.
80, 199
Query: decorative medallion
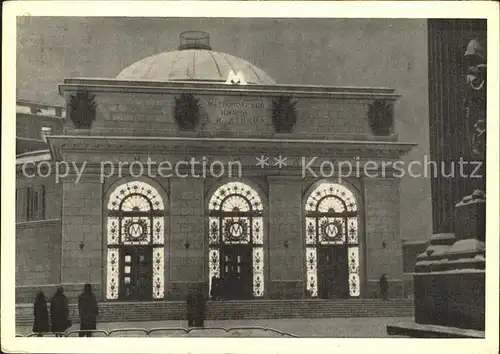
236, 229
136, 229
330, 229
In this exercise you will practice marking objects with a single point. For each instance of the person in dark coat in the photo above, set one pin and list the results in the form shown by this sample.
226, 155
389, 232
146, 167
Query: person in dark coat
88, 310
59, 313
41, 313
213, 290
200, 309
384, 287
191, 308
230, 286
222, 288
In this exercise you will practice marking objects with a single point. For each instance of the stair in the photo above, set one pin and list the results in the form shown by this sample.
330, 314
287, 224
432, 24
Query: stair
233, 310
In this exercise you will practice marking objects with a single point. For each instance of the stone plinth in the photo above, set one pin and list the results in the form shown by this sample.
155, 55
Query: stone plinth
470, 214
451, 298
449, 280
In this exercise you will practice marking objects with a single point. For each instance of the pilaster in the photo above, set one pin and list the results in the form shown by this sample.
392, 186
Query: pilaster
383, 246
186, 249
286, 244
81, 246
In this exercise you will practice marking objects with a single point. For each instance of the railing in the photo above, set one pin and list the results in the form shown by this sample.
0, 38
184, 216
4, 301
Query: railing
170, 332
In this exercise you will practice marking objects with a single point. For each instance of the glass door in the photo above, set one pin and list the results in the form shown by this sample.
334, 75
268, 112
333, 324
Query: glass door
136, 273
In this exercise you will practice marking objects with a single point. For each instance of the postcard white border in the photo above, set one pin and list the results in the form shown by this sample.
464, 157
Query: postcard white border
370, 9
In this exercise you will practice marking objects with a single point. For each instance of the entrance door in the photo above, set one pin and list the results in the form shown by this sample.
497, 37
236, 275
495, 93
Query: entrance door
333, 277
236, 265
136, 273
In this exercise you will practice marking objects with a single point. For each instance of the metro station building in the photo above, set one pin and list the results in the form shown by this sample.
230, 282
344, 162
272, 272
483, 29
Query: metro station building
283, 230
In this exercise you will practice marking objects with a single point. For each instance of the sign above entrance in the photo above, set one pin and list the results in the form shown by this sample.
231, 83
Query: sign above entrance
238, 113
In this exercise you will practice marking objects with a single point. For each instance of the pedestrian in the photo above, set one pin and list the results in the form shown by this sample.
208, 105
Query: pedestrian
231, 286
200, 309
191, 308
222, 288
213, 289
41, 324
88, 311
384, 287
59, 313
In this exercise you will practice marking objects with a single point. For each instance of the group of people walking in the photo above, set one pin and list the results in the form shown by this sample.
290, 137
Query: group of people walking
58, 321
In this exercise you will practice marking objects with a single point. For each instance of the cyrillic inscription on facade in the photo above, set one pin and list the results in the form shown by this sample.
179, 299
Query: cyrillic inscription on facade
237, 111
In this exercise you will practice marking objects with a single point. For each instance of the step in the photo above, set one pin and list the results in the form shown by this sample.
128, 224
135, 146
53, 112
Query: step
248, 309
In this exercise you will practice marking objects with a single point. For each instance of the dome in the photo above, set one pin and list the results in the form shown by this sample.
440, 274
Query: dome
195, 61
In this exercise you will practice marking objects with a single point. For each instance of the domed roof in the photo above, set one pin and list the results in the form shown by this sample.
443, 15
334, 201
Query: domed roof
195, 61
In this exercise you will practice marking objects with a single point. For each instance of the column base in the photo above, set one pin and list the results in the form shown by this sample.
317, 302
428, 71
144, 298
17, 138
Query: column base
453, 299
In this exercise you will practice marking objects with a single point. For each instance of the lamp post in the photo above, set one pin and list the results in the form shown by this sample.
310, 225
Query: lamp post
87, 262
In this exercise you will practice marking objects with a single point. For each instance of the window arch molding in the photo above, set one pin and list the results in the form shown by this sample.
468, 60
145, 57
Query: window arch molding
355, 190
146, 211
257, 187
112, 186
311, 212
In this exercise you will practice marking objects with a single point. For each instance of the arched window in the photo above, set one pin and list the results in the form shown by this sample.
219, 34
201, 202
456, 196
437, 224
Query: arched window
236, 236
135, 240
332, 252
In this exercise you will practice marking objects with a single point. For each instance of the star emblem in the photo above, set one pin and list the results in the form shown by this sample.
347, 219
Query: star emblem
262, 161
280, 161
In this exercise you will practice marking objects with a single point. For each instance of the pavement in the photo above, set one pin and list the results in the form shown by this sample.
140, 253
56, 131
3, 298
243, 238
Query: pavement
358, 327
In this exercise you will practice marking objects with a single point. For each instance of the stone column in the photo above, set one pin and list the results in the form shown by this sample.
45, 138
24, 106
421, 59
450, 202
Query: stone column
449, 278
81, 246
286, 244
186, 248
382, 248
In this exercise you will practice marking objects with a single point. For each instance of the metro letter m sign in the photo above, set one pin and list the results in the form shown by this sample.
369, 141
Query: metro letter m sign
236, 78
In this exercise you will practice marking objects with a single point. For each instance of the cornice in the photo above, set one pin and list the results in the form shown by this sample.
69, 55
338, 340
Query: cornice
287, 179
175, 87
37, 223
86, 145
155, 133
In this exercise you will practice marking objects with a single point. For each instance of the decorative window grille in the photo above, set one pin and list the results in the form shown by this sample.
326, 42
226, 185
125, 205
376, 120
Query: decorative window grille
331, 220
235, 218
135, 217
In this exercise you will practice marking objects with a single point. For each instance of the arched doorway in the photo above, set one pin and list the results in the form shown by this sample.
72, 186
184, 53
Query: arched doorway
332, 252
135, 228
236, 235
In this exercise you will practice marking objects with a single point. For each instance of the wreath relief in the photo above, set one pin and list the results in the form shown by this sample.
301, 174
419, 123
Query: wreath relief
284, 114
187, 111
82, 109
381, 117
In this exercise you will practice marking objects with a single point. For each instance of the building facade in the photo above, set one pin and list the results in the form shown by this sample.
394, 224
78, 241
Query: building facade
195, 164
